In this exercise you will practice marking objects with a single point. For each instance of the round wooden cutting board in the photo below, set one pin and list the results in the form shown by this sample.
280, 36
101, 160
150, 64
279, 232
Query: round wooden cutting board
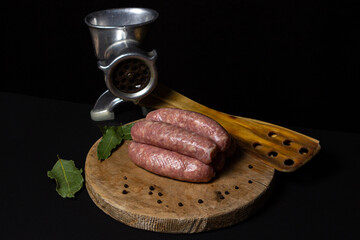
147, 201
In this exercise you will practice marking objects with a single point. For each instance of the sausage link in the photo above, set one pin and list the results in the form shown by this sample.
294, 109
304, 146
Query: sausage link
169, 164
195, 122
174, 138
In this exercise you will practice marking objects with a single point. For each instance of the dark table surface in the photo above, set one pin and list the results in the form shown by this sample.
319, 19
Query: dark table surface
320, 200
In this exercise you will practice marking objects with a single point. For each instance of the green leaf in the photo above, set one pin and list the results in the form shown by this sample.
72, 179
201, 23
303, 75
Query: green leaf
119, 130
112, 138
127, 131
68, 178
103, 129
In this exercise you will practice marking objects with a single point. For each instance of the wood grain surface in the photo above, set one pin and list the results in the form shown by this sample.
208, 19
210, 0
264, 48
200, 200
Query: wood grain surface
147, 201
279, 147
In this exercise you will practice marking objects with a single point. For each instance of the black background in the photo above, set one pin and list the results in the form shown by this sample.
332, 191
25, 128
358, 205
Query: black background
318, 201
291, 63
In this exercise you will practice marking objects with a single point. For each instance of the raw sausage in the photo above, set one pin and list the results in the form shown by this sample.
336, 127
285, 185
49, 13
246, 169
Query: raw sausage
195, 122
174, 138
170, 164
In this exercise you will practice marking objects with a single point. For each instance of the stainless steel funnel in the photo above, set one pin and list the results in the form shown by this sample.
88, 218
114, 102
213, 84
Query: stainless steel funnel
130, 72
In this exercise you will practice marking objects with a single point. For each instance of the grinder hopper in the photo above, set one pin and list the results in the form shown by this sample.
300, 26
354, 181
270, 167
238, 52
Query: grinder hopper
130, 72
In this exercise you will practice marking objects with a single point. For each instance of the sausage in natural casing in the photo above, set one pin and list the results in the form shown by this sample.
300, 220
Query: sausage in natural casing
174, 138
195, 122
170, 164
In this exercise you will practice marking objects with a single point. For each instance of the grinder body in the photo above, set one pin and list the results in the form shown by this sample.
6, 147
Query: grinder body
130, 72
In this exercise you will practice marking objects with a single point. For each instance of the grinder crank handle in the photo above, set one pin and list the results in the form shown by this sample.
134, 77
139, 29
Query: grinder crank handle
279, 147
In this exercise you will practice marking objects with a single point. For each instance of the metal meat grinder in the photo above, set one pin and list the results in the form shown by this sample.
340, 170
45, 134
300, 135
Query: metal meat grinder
130, 72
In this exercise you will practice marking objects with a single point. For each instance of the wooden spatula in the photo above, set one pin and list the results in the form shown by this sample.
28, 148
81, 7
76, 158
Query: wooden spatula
281, 148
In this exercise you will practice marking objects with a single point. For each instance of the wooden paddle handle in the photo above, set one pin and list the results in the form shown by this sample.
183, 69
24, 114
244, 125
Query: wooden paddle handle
281, 148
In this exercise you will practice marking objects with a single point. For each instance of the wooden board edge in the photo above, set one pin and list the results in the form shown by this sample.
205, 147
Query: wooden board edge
179, 226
